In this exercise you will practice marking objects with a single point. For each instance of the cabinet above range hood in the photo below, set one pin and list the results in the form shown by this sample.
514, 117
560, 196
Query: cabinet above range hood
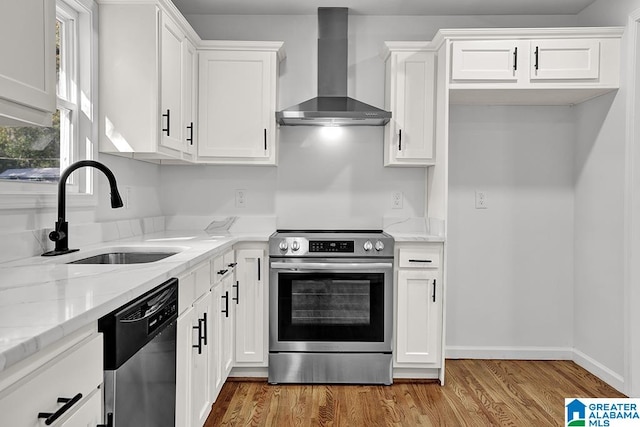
332, 106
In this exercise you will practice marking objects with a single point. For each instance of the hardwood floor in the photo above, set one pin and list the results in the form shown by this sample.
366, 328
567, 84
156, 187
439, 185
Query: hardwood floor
477, 393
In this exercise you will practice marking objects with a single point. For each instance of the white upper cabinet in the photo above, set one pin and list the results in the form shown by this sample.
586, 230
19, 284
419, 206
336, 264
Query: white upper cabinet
147, 68
485, 60
532, 66
28, 65
237, 102
410, 95
565, 60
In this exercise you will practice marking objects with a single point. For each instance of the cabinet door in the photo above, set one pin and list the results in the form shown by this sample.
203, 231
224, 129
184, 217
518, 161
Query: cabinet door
485, 60
27, 68
219, 305
418, 323
171, 84
226, 349
411, 132
251, 319
184, 356
565, 59
189, 97
201, 387
236, 105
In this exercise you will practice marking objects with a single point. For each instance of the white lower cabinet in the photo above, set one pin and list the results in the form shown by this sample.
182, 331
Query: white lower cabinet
194, 392
201, 360
419, 297
204, 338
63, 390
251, 312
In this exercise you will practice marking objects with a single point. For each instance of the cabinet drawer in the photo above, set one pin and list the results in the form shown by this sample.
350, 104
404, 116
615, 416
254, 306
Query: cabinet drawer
76, 371
424, 257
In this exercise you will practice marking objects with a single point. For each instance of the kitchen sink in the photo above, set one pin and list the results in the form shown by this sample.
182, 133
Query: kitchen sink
122, 257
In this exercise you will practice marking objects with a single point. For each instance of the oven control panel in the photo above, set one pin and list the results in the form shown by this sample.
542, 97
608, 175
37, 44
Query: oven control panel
331, 246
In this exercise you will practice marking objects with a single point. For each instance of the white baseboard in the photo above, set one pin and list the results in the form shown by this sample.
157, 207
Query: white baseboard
539, 353
515, 353
599, 370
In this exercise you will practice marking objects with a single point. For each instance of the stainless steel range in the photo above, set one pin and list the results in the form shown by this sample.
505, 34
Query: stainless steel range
331, 305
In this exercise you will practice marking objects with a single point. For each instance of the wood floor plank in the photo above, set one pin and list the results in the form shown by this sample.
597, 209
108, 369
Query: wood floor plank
477, 393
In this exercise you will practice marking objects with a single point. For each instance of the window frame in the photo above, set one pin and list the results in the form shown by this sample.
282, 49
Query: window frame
81, 101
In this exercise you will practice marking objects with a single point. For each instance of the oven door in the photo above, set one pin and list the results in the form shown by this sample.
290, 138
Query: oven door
330, 305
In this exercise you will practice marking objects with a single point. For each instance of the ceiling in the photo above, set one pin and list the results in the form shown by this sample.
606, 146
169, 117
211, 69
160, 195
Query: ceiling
384, 7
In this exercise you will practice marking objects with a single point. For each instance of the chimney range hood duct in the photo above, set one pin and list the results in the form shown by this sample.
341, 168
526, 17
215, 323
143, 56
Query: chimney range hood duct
332, 106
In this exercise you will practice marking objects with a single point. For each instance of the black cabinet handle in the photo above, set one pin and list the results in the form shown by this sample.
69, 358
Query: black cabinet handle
434, 290
400, 140
68, 403
237, 298
199, 345
204, 322
109, 421
259, 269
233, 264
265, 140
190, 139
222, 272
537, 57
515, 59
226, 304
168, 116
427, 261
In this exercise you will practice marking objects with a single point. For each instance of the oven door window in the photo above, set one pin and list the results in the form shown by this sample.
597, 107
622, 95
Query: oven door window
331, 307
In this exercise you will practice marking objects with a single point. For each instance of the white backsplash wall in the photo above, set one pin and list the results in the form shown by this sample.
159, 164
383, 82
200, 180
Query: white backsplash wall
326, 177
334, 178
510, 268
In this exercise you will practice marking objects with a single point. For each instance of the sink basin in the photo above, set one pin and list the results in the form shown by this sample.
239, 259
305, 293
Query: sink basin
124, 258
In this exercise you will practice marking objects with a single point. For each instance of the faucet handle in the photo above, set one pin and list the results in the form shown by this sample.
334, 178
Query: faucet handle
60, 232
56, 235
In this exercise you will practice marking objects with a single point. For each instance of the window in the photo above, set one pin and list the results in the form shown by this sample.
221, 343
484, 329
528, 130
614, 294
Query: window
31, 158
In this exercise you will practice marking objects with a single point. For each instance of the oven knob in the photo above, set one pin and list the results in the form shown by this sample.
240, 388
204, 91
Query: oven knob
295, 245
379, 245
283, 245
368, 246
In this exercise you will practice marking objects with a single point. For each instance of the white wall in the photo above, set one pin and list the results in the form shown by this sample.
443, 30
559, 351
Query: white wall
510, 265
599, 321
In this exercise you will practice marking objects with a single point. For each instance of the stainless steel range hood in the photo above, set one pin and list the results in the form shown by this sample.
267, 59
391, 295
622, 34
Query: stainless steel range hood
332, 106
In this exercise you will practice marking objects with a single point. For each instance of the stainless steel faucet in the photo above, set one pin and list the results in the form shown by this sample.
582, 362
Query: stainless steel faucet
61, 233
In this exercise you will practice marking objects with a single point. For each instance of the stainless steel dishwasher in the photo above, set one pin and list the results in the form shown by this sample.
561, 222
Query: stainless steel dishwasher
140, 360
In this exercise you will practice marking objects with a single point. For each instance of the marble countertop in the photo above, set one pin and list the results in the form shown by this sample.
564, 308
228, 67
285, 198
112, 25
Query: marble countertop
403, 237
43, 299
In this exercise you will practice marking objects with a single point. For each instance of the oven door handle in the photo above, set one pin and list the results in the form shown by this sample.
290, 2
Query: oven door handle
359, 266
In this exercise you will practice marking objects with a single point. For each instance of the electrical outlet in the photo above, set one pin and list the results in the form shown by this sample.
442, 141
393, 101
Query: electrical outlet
481, 200
397, 200
241, 198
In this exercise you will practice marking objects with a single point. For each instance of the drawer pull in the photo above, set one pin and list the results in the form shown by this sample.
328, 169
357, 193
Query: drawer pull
226, 304
237, 286
68, 403
233, 264
222, 272
427, 261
